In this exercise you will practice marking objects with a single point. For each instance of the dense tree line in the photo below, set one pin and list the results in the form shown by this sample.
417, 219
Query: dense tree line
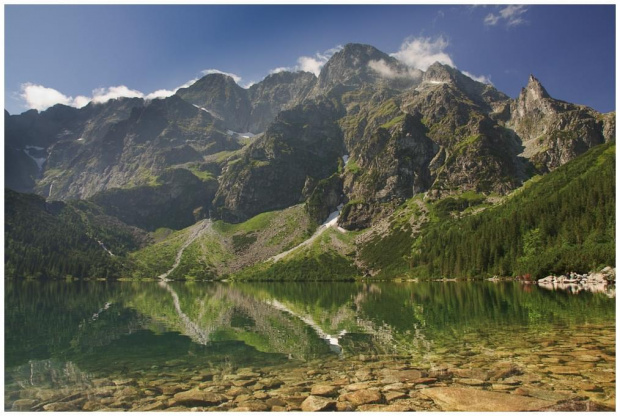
56, 240
563, 222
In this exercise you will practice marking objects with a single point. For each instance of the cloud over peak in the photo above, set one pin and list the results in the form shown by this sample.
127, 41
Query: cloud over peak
385, 71
39, 97
422, 52
235, 77
312, 63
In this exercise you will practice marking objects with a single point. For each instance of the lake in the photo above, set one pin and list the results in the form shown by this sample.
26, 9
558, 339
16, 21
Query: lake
477, 345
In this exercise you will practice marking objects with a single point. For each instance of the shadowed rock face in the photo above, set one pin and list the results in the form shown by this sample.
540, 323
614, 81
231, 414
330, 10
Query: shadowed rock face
253, 109
301, 143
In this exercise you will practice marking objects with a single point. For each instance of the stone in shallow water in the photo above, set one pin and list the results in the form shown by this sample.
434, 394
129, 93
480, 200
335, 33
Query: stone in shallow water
395, 376
580, 406
358, 386
60, 407
563, 370
324, 390
394, 395
275, 402
363, 397
197, 397
471, 381
454, 399
23, 405
425, 380
253, 406
601, 376
317, 404
126, 382
157, 405
236, 391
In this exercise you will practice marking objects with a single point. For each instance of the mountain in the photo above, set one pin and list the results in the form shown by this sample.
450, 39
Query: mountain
553, 131
248, 110
302, 145
366, 141
356, 65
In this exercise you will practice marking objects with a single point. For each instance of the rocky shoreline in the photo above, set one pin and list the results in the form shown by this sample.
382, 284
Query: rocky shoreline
603, 281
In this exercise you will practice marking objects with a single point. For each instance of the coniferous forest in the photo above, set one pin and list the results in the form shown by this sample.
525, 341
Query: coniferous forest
562, 221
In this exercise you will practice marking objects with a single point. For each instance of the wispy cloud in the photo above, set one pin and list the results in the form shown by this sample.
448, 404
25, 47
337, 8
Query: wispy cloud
485, 79
235, 77
312, 63
384, 70
418, 53
101, 95
422, 52
511, 15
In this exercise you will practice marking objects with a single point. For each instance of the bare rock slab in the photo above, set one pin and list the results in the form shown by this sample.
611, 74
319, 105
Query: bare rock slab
456, 399
361, 397
317, 404
197, 397
324, 390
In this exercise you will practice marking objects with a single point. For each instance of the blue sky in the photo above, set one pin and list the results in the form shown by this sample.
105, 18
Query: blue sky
73, 54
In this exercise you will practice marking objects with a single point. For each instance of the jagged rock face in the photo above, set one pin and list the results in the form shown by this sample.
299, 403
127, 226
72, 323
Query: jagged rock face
325, 196
248, 110
356, 65
302, 142
222, 97
134, 151
392, 166
483, 95
277, 92
553, 131
177, 202
30, 137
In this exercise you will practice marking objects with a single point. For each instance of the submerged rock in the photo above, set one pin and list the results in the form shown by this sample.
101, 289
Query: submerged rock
317, 404
455, 399
197, 397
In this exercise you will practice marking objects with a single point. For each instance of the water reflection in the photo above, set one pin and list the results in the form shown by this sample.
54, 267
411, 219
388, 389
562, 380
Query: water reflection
106, 325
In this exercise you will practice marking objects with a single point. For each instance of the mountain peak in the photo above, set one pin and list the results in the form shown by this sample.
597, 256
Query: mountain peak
357, 64
439, 72
534, 89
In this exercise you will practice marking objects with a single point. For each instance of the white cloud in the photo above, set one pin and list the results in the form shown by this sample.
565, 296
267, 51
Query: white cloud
235, 77
422, 52
512, 15
40, 97
383, 69
280, 69
491, 19
160, 94
310, 63
101, 95
485, 79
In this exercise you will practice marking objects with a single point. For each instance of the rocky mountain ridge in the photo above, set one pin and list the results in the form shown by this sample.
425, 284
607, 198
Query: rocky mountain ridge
382, 131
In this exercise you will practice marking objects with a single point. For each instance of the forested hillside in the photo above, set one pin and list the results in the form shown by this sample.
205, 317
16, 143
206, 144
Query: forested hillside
563, 221
58, 239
